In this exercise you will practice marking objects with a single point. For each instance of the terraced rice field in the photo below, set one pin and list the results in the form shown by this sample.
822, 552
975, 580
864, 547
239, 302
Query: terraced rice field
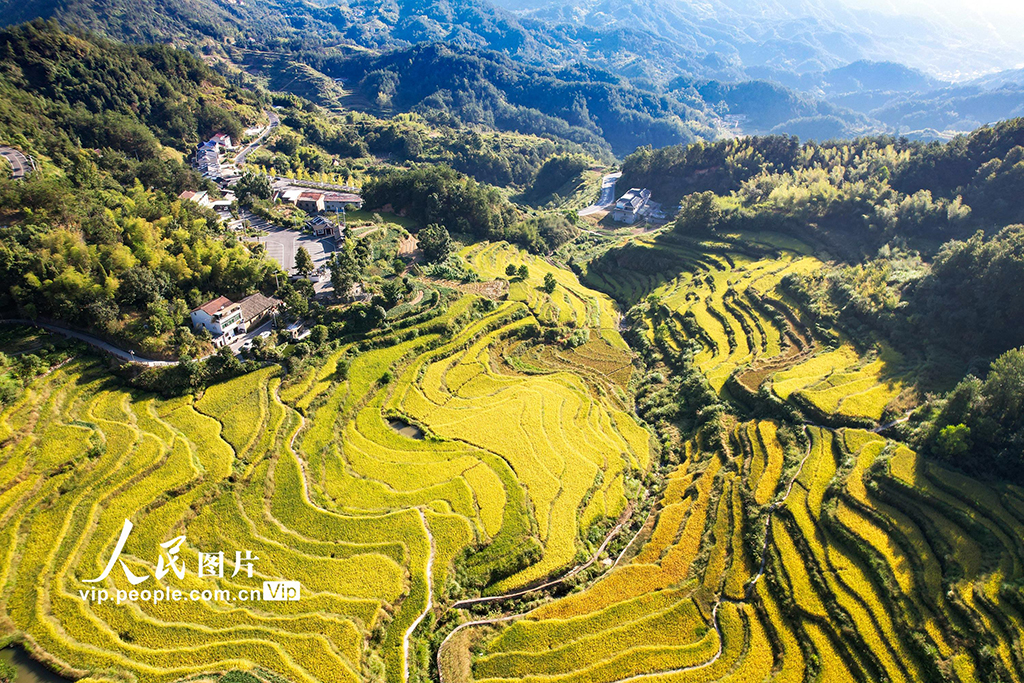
306, 473
841, 382
722, 303
792, 553
900, 580
786, 552
570, 304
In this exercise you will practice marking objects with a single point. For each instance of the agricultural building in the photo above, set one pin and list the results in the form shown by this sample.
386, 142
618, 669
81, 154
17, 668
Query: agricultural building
311, 202
337, 201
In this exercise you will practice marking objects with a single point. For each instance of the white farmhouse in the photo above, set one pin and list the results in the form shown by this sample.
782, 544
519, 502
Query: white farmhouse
221, 317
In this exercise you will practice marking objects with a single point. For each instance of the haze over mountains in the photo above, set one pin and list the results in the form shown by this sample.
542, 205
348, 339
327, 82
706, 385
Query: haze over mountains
759, 37
612, 74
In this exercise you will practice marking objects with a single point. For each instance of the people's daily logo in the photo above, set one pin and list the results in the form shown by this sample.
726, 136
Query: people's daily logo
171, 563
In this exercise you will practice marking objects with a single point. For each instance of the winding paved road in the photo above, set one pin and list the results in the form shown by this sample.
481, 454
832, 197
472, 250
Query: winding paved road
275, 121
129, 356
20, 164
607, 198
92, 341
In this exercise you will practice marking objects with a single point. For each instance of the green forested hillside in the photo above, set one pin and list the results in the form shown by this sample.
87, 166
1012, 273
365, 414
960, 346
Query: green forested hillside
97, 238
90, 92
867, 185
314, 140
466, 86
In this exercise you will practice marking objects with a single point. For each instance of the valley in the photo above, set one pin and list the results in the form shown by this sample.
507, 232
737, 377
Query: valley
551, 342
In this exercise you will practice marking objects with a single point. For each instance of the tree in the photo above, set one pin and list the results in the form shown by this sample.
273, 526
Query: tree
363, 252
392, 291
375, 316
698, 211
556, 171
192, 372
252, 186
953, 441
139, 287
524, 272
185, 340
296, 304
223, 364
435, 242
980, 424
344, 272
304, 262
549, 283
510, 270
7, 672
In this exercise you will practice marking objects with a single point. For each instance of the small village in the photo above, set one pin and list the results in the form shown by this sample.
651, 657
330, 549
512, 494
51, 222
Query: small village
323, 208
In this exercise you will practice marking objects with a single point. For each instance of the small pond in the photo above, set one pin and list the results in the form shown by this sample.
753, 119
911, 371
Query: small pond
29, 670
406, 429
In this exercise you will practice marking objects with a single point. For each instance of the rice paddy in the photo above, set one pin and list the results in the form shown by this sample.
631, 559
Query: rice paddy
808, 554
723, 303
843, 595
784, 551
305, 473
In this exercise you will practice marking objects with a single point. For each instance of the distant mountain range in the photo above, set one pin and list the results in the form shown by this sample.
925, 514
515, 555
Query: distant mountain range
759, 37
612, 74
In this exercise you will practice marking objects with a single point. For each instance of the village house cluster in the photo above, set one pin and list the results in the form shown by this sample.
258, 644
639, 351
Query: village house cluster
319, 203
208, 157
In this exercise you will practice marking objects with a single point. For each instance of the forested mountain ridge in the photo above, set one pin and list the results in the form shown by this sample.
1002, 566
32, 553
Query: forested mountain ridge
465, 86
761, 38
704, 79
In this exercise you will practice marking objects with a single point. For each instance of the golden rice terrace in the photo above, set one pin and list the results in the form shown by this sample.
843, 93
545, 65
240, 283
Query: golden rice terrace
429, 485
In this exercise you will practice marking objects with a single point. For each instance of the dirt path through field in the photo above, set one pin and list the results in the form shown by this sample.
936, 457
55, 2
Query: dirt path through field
714, 612
368, 232
462, 604
430, 594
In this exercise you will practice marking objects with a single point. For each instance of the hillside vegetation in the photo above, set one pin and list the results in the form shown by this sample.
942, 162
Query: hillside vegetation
97, 238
